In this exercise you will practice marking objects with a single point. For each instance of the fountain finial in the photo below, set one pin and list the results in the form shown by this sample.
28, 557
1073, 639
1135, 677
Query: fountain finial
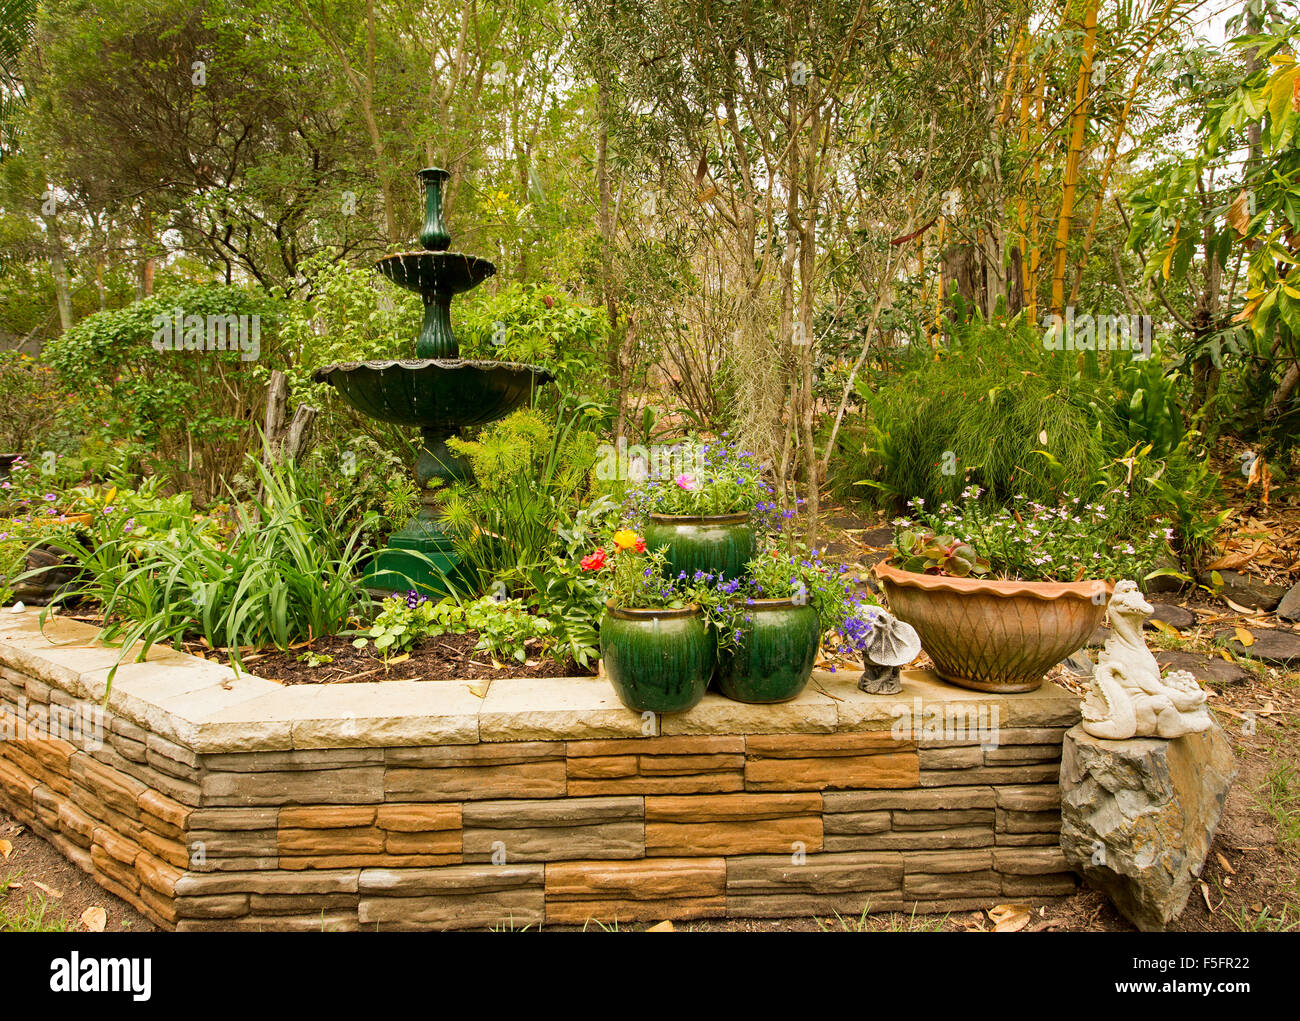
434, 235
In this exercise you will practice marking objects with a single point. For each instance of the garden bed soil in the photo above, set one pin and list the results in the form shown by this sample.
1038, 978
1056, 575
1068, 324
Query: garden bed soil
447, 657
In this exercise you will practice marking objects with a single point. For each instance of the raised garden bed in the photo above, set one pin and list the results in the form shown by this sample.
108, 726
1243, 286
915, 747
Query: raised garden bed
446, 657
215, 801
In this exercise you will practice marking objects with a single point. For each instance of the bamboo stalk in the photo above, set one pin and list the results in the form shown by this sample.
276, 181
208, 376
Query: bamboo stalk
1071, 182
1120, 125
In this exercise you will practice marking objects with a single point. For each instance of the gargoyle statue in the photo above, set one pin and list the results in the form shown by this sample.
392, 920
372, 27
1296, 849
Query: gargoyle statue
893, 644
1127, 697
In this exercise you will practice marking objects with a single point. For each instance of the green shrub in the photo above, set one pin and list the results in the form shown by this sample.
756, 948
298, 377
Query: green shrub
194, 412
31, 403
537, 326
995, 410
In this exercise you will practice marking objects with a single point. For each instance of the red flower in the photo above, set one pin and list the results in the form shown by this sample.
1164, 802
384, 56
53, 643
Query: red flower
594, 562
640, 544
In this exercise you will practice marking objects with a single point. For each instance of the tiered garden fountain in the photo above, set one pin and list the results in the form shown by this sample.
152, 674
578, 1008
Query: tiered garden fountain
438, 392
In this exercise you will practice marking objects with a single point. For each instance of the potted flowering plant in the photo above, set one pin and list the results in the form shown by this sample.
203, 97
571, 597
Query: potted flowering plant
770, 622
657, 647
699, 508
1020, 592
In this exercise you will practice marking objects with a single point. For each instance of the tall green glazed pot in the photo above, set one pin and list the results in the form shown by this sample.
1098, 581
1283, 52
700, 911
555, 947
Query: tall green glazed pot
719, 544
658, 661
773, 656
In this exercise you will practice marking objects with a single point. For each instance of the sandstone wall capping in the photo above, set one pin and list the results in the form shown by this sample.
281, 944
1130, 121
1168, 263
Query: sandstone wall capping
214, 801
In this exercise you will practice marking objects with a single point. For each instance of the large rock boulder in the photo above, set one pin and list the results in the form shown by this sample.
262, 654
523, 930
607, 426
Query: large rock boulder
1289, 607
1138, 816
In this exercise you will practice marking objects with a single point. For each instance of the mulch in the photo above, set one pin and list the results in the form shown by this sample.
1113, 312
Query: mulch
447, 657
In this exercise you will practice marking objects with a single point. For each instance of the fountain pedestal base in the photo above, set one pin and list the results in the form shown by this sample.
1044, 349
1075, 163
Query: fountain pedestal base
420, 556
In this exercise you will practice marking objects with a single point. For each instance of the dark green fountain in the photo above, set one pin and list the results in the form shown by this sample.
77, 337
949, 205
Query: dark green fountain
439, 393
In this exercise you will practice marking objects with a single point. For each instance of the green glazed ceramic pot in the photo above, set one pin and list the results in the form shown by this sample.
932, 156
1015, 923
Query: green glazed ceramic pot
720, 544
774, 656
658, 661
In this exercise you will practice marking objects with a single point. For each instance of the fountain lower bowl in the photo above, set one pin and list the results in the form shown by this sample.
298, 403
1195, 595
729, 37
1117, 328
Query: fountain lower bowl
440, 394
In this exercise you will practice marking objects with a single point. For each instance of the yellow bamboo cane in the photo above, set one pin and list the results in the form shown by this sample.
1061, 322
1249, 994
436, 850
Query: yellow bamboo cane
1071, 182
1116, 136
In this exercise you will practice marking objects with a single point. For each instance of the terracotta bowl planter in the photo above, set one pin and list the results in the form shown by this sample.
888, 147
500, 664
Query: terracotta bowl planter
1000, 636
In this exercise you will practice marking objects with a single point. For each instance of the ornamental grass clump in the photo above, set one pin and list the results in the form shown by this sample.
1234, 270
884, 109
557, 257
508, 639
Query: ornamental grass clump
288, 573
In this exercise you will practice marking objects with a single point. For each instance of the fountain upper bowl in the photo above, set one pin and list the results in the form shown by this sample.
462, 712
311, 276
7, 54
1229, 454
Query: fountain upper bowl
441, 394
444, 273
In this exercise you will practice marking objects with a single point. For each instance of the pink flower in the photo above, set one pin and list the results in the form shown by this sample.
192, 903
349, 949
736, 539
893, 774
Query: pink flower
687, 482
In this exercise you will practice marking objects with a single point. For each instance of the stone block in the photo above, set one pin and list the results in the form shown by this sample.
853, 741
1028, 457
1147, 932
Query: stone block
1030, 861
271, 883
959, 837
928, 799
227, 905
553, 830
995, 776
726, 824
233, 843
358, 785
1028, 822
628, 891
457, 897
234, 818
1153, 806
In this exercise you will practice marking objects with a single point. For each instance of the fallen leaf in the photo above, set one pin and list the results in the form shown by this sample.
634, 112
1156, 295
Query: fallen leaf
1237, 606
49, 891
6, 849
1042, 437
94, 919
662, 927
399, 659
1163, 626
1013, 924
480, 689
1003, 912
1205, 895
1244, 636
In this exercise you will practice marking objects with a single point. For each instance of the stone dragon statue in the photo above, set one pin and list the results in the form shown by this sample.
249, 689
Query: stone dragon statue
1128, 698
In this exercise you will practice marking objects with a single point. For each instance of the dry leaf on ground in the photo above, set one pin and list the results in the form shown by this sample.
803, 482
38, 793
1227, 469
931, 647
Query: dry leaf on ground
1009, 917
94, 919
